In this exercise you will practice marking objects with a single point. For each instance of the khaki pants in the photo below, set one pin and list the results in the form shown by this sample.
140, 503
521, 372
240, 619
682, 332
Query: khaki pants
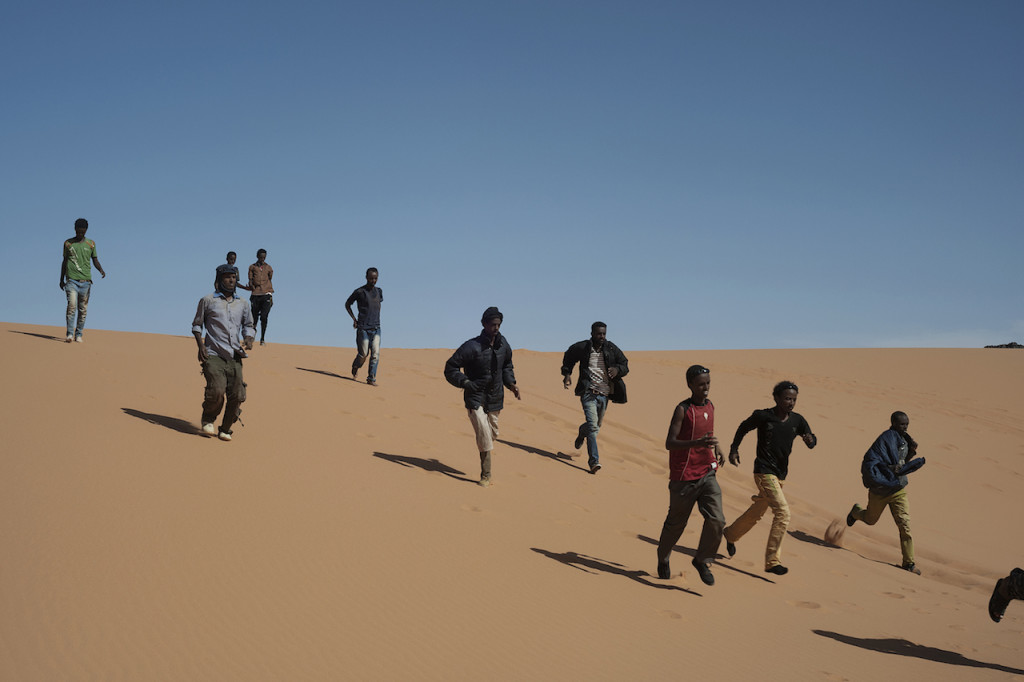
485, 426
898, 505
769, 496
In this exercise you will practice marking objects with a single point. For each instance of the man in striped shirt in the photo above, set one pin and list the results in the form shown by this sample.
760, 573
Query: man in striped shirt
693, 457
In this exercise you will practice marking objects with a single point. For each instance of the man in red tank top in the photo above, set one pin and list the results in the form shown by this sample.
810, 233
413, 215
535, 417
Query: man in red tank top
693, 458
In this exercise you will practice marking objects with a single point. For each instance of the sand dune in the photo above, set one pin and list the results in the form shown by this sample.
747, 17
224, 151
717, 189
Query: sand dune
341, 535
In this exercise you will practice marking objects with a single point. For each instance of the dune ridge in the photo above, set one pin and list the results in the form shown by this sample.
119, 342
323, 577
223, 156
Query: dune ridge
341, 535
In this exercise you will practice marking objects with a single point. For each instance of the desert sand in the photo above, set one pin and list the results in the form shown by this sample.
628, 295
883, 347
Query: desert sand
341, 535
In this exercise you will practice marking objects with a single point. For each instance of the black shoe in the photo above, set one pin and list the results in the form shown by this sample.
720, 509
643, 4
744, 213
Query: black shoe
594, 469
849, 517
730, 547
912, 568
777, 569
664, 572
704, 571
578, 443
997, 603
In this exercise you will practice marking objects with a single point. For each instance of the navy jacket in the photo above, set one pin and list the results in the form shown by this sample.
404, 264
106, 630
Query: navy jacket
482, 371
613, 357
885, 466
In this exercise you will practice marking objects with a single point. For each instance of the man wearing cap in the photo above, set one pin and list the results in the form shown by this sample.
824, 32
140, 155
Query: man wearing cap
227, 319
602, 366
482, 368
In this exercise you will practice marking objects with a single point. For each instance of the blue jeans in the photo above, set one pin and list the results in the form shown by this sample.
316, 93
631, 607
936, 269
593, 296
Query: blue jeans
78, 301
367, 343
594, 407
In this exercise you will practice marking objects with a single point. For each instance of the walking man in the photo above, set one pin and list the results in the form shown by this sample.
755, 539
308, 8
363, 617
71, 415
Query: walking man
367, 299
884, 473
693, 459
482, 368
602, 366
777, 428
76, 278
261, 284
227, 319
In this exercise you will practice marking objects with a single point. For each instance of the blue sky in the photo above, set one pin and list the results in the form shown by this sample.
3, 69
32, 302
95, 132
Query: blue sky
697, 175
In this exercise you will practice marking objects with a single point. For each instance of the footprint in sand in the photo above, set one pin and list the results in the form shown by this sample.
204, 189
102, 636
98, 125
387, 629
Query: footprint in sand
958, 628
894, 595
672, 614
805, 604
472, 508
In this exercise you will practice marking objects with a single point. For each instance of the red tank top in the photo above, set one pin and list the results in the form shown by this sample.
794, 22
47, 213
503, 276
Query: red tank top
691, 464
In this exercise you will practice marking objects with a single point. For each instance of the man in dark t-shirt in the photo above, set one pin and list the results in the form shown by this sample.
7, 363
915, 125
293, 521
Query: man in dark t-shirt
367, 299
777, 428
693, 458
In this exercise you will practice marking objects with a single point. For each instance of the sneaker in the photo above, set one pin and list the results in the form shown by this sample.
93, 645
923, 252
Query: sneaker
912, 568
354, 373
79, 339
777, 569
664, 572
595, 468
224, 435
704, 571
997, 603
209, 429
484, 482
849, 517
730, 547
69, 339
371, 381
578, 443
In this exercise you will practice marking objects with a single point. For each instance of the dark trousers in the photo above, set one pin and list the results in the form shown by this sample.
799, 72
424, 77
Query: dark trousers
707, 495
223, 381
261, 305
1016, 586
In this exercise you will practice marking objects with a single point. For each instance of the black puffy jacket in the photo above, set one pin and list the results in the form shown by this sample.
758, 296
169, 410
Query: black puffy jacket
482, 371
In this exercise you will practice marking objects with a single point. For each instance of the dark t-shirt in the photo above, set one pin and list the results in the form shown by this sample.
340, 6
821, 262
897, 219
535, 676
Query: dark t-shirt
368, 303
774, 439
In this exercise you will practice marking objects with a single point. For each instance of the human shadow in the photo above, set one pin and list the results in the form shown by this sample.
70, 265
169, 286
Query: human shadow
325, 373
173, 423
804, 537
434, 465
902, 647
559, 457
589, 564
693, 553
38, 336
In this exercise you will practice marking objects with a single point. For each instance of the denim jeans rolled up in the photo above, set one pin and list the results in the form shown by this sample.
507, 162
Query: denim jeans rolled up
78, 302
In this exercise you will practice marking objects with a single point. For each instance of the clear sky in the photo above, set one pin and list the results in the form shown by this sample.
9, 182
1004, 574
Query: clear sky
741, 174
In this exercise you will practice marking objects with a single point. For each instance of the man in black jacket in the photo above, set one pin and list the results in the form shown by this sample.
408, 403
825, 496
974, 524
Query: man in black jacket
482, 367
602, 366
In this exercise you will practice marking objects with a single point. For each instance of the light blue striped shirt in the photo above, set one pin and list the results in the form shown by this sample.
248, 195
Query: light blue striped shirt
226, 322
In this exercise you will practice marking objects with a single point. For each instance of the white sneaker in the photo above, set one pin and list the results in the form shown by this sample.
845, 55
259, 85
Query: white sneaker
79, 339
209, 429
224, 435
70, 338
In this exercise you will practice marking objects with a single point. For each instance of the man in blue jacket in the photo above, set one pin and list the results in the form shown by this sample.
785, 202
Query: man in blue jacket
482, 368
884, 473
602, 366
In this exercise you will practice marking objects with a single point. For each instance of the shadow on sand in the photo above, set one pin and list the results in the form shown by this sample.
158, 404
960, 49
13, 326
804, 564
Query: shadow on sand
38, 336
718, 558
902, 647
810, 539
426, 464
173, 423
589, 564
324, 372
559, 457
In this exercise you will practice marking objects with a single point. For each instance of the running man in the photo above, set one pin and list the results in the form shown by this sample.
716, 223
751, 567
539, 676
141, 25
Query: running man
367, 299
261, 284
777, 428
884, 473
602, 366
76, 278
482, 368
693, 458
